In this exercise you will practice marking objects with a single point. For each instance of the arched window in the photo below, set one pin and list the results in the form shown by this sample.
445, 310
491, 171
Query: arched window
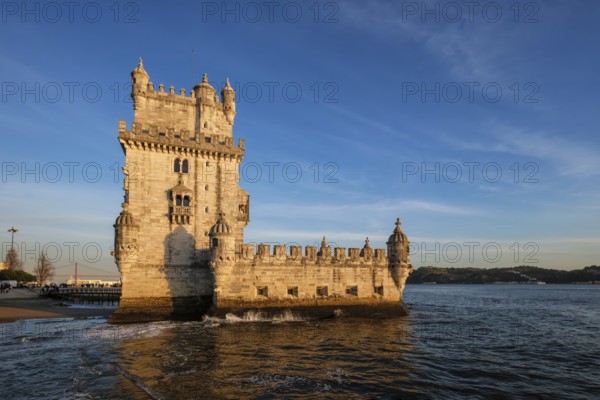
177, 166
184, 167
186, 201
178, 200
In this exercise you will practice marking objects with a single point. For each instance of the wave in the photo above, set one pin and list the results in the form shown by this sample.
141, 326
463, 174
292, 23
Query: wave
254, 316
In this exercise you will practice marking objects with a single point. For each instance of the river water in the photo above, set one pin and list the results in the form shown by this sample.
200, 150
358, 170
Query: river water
475, 341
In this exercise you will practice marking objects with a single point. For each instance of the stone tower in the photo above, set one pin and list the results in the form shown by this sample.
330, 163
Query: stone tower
179, 238
181, 174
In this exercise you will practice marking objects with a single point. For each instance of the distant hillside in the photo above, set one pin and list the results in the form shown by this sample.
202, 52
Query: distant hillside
521, 274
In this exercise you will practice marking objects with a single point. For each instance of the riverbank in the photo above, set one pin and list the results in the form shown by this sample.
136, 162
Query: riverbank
20, 304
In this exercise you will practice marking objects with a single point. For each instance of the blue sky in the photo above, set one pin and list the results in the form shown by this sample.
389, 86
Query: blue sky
477, 127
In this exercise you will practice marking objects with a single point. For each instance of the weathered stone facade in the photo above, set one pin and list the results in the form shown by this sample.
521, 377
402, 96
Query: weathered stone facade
179, 239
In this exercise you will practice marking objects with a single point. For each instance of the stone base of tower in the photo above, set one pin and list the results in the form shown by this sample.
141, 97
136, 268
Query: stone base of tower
148, 309
160, 292
312, 309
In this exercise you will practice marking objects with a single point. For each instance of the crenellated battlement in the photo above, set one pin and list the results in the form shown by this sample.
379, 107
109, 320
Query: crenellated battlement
177, 95
200, 111
153, 136
250, 254
167, 95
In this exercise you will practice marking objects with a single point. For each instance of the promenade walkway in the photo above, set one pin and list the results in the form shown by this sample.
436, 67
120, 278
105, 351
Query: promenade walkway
26, 304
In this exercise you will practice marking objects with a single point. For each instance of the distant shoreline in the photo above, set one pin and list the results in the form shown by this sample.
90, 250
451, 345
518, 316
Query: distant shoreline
524, 275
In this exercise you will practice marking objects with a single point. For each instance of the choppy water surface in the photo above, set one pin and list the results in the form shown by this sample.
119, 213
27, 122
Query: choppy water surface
476, 341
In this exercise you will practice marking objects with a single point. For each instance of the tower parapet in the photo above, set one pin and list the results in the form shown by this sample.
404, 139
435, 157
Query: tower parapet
199, 112
298, 256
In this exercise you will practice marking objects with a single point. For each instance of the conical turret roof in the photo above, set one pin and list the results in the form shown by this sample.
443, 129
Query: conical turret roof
220, 227
397, 236
140, 69
125, 218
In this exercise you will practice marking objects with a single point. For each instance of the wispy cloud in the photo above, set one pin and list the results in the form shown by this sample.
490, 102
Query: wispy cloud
570, 157
378, 208
463, 46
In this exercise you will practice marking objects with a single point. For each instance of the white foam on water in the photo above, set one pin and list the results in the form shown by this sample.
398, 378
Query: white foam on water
211, 322
260, 316
288, 316
253, 316
273, 382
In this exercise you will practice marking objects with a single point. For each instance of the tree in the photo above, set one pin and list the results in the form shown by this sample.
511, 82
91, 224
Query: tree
44, 270
12, 260
19, 276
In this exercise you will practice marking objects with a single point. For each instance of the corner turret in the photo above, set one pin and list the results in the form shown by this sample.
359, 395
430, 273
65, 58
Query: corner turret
228, 98
126, 239
139, 79
398, 256
398, 246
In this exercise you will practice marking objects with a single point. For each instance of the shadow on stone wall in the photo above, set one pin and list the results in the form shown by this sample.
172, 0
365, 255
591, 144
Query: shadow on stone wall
190, 280
179, 247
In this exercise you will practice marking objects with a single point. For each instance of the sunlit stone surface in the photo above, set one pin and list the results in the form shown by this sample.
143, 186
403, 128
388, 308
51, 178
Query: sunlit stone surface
179, 239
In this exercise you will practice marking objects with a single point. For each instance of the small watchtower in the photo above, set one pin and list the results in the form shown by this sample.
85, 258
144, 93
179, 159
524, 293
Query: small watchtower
222, 241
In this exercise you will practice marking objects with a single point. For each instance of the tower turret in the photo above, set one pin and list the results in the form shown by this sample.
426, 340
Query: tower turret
367, 250
204, 92
222, 240
228, 98
139, 79
325, 250
398, 256
126, 239
398, 246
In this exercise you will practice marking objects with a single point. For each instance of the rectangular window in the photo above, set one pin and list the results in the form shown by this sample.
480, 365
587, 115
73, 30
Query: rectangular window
207, 139
322, 291
352, 290
293, 291
379, 290
262, 291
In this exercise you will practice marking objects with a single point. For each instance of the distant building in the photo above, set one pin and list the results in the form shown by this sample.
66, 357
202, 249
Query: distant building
3, 266
179, 239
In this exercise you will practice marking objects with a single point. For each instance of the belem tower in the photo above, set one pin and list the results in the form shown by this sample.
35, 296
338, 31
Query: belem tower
179, 240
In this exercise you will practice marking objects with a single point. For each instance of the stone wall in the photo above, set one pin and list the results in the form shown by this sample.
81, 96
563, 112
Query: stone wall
280, 278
